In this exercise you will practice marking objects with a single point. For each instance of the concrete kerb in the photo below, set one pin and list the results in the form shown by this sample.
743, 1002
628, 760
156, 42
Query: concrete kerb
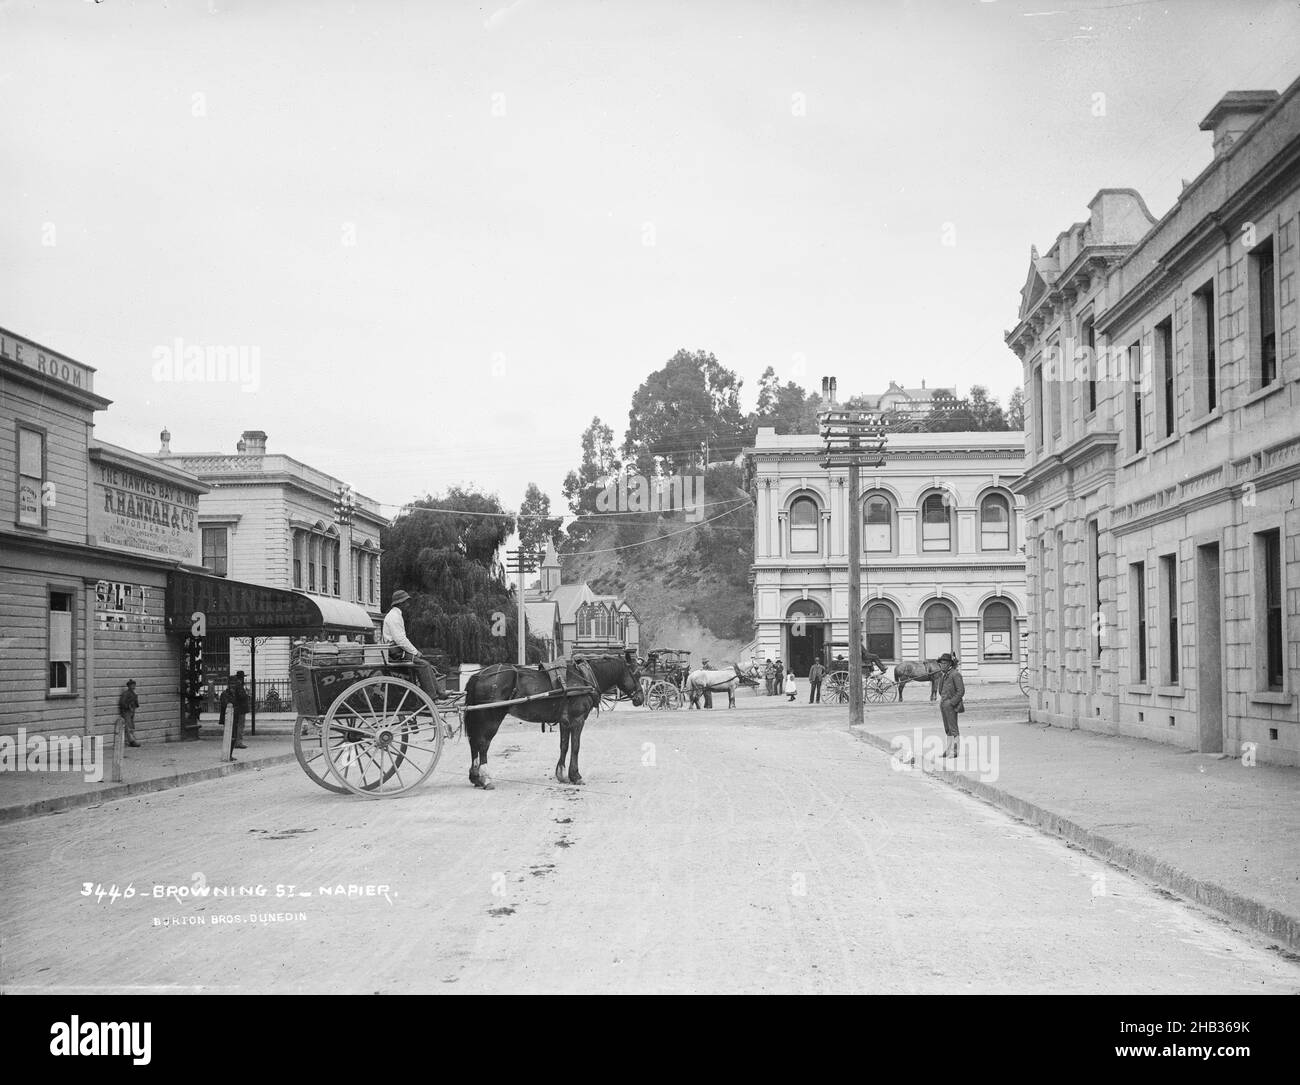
61, 803
1269, 921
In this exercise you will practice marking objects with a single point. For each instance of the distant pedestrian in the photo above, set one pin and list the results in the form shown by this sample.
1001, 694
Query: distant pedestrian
235, 697
815, 675
769, 674
790, 688
952, 693
127, 703
778, 678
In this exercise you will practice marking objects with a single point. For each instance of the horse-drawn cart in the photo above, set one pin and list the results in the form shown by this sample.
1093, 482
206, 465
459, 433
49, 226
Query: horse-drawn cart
366, 727
663, 677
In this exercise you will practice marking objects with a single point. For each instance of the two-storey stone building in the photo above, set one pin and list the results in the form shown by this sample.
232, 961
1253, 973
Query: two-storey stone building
941, 551
1163, 463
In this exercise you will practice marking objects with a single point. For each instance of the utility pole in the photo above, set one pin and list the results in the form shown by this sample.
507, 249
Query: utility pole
854, 439
521, 561
344, 507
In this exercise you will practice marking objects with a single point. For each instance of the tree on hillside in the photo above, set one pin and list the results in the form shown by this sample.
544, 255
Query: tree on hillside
785, 407
443, 551
599, 465
692, 401
1016, 410
536, 524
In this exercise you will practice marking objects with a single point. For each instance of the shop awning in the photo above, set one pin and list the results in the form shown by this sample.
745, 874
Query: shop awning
240, 610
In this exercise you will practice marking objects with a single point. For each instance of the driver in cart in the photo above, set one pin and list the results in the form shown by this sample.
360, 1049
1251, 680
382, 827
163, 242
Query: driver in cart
403, 651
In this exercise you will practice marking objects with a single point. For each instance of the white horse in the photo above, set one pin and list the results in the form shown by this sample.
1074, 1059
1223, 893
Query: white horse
717, 681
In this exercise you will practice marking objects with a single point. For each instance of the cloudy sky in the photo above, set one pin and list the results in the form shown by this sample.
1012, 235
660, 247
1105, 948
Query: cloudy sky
450, 233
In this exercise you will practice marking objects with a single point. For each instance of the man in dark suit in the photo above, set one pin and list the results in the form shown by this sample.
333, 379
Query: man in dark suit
952, 691
235, 697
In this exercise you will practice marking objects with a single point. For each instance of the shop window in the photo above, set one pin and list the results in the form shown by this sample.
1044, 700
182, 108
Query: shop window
878, 525
936, 524
62, 606
31, 477
995, 523
804, 526
215, 550
997, 633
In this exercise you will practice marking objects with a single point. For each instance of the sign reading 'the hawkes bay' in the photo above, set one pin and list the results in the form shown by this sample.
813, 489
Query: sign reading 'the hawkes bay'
132, 509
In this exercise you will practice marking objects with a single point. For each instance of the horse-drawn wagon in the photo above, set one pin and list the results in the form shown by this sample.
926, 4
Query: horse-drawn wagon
663, 677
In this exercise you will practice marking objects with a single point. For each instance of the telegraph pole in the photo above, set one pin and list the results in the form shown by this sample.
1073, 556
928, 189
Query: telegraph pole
521, 561
854, 439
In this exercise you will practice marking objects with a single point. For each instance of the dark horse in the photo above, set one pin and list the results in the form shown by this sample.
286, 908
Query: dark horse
928, 670
508, 682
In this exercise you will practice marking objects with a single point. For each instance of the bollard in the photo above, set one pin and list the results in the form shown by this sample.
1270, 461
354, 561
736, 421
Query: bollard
227, 735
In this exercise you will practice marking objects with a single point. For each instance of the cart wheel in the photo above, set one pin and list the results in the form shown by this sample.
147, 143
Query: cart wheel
873, 692
664, 695
307, 749
888, 689
837, 687
375, 729
1024, 681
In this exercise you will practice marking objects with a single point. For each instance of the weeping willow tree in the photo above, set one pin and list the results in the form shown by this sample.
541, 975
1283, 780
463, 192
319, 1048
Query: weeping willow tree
442, 550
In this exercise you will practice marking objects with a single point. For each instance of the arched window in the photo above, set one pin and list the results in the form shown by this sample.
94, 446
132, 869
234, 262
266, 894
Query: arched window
877, 524
879, 626
936, 523
995, 523
998, 645
803, 526
297, 558
938, 630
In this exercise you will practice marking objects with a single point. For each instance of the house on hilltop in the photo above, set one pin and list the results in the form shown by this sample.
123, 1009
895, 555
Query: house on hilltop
577, 618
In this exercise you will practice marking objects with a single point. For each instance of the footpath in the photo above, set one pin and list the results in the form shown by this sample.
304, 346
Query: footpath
154, 766
1214, 829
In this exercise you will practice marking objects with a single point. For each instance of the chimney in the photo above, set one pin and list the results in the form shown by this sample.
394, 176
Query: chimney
834, 390
166, 438
826, 389
922, 385
253, 442
1235, 112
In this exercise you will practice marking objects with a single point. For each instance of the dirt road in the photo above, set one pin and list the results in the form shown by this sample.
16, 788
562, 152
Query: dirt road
722, 851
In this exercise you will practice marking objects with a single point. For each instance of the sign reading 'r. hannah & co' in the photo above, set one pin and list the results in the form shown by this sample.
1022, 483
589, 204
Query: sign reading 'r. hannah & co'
146, 513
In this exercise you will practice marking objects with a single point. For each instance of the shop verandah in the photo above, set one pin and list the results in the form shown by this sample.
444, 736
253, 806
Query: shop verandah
214, 614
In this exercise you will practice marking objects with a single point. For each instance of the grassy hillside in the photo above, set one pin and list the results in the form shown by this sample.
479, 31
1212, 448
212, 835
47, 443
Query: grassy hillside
688, 583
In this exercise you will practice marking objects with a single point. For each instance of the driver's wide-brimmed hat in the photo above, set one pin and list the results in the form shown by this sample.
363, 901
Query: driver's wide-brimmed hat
400, 596
947, 658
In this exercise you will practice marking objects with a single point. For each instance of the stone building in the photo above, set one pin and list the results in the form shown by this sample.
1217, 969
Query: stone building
1163, 458
941, 551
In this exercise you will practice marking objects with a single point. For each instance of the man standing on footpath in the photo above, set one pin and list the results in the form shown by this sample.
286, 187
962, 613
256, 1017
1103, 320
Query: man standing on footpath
127, 703
815, 674
235, 697
952, 693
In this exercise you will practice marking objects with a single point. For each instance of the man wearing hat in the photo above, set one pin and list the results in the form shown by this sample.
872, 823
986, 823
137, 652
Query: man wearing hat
127, 703
952, 691
235, 696
404, 651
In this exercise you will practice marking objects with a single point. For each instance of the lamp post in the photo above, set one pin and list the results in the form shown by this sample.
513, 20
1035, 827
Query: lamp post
854, 439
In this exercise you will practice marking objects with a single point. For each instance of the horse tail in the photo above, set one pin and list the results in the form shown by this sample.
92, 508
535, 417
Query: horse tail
896, 668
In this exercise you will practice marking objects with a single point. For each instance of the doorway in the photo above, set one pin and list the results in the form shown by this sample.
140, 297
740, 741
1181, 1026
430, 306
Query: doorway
1209, 649
805, 636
